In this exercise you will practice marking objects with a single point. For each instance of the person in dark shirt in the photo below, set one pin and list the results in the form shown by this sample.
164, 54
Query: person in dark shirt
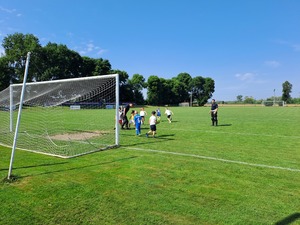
125, 119
214, 112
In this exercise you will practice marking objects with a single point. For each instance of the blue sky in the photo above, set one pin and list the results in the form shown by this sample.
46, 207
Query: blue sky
248, 47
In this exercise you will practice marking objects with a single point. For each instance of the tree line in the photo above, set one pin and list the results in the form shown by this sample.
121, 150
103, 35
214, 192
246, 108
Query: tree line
56, 61
286, 96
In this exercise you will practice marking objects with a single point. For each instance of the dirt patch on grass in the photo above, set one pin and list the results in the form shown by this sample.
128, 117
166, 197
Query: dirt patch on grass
78, 136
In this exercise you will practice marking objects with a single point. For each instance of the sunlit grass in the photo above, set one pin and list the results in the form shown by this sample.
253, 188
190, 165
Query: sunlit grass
245, 171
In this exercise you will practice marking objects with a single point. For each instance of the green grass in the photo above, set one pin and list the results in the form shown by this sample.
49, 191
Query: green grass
245, 171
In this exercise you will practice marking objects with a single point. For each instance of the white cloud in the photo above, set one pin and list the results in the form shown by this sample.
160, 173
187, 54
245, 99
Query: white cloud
272, 63
89, 49
294, 46
7, 10
245, 76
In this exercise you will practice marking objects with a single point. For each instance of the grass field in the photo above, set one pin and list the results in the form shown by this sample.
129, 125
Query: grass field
245, 171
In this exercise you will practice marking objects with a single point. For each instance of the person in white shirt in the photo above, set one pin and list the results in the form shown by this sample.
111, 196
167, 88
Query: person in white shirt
152, 122
169, 114
143, 113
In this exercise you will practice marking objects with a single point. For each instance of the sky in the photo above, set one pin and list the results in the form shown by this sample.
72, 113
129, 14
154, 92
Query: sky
248, 47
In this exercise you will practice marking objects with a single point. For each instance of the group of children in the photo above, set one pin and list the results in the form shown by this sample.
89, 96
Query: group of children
137, 119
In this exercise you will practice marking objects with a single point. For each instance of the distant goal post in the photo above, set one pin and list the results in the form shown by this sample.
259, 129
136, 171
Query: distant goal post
273, 103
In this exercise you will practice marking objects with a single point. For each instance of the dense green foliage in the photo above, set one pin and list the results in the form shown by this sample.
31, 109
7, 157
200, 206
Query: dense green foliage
55, 61
245, 171
179, 89
286, 91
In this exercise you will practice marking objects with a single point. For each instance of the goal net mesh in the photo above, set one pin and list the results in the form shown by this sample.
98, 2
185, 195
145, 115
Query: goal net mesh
273, 103
64, 118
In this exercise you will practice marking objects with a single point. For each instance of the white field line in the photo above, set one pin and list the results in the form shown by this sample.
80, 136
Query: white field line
232, 133
214, 158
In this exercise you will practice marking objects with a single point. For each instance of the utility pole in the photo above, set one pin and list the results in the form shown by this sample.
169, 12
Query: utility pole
274, 98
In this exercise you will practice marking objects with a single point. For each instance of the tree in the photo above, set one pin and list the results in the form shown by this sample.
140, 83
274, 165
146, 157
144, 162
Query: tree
197, 87
182, 87
167, 95
185, 78
154, 90
16, 47
249, 100
125, 89
179, 91
202, 89
239, 98
209, 89
137, 84
102, 67
88, 66
286, 91
6, 73
59, 62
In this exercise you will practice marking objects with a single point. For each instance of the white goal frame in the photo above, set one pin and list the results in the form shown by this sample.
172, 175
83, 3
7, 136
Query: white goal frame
273, 103
13, 104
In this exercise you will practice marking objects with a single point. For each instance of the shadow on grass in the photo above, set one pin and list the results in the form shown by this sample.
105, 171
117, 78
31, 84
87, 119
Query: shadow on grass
33, 166
289, 219
40, 165
145, 141
77, 168
224, 125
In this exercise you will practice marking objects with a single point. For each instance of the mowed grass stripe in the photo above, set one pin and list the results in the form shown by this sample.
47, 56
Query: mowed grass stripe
232, 133
214, 158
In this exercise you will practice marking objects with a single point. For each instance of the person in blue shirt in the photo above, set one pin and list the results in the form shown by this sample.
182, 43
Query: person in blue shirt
158, 113
137, 121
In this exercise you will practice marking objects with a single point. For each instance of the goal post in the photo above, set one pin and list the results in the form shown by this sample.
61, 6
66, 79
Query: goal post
64, 118
273, 103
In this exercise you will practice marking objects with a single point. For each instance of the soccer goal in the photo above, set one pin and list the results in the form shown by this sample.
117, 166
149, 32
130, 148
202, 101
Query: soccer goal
64, 118
273, 103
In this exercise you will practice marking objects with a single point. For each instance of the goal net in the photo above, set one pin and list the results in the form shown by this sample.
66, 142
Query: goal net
273, 103
64, 118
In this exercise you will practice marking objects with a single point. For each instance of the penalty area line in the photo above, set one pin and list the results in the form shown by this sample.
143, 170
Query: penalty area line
214, 158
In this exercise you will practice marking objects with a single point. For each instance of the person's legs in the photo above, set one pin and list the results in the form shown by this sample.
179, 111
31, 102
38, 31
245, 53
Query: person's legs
138, 130
169, 118
125, 122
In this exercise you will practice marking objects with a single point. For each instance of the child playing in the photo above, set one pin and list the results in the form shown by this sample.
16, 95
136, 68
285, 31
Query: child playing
152, 122
131, 119
137, 122
169, 114
143, 114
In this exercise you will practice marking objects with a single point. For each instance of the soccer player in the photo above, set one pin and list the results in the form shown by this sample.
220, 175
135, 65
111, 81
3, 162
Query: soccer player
152, 122
137, 122
131, 119
169, 114
143, 113
214, 112
158, 113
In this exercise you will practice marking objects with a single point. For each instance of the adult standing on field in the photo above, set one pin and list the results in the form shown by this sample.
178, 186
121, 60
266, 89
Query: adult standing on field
125, 119
214, 112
